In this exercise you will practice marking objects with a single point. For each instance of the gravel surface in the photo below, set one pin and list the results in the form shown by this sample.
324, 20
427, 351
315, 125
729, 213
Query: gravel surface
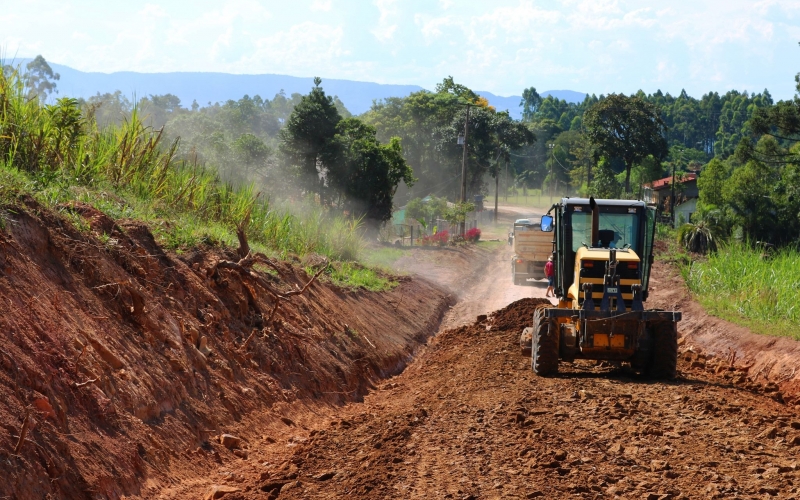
469, 419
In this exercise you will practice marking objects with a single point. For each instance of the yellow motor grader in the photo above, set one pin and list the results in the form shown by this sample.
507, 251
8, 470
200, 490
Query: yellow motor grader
603, 252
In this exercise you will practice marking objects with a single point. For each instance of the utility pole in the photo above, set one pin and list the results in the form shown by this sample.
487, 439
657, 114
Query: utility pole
464, 168
672, 200
551, 146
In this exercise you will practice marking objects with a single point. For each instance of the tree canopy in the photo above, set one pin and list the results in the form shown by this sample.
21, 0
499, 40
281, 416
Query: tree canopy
367, 172
307, 140
628, 128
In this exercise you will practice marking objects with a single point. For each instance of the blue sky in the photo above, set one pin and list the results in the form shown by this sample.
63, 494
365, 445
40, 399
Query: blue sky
503, 46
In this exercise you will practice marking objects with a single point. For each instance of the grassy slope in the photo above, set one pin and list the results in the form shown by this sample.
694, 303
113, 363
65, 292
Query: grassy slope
743, 285
57, 154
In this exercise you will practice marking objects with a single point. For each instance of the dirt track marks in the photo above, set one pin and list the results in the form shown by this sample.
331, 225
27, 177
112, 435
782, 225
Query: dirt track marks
470, 420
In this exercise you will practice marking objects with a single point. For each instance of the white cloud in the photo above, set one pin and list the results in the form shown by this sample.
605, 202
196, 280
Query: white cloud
595, 45
386, 28
321, 5
302, 49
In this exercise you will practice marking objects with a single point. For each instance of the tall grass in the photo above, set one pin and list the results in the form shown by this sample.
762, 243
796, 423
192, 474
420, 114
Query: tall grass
742, 283
59, 154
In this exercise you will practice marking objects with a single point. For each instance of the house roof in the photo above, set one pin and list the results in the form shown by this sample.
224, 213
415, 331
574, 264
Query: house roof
667, 181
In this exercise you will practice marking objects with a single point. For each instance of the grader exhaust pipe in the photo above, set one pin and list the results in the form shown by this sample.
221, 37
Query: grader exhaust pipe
595, 221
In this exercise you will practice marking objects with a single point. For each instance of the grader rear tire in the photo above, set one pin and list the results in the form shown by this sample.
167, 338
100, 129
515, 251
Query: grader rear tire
664, 363
544, 356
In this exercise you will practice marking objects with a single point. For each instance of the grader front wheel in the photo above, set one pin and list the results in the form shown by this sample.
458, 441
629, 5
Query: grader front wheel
544, 356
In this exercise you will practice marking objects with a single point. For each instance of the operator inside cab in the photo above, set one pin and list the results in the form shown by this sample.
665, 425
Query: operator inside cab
608, 238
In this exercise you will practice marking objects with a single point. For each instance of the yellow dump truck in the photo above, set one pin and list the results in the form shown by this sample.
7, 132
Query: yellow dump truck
532, 246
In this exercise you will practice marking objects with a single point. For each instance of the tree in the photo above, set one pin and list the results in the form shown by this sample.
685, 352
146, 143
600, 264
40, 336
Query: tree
458, 213
604, 184
415, 210
40, 78
747, 193
367, 173
711, 182
531, 100
159, 108
252, 155
107, 108
448, 86
628, 128
307, 140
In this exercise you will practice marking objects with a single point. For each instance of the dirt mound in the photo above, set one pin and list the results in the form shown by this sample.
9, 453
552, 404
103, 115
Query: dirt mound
121, 364
517, 315
470, 420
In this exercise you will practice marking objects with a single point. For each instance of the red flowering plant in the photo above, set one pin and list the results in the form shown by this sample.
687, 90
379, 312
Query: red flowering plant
473, 235
440, 238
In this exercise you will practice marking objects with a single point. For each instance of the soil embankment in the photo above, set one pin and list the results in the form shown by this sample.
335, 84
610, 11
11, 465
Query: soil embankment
121, 364
765, 360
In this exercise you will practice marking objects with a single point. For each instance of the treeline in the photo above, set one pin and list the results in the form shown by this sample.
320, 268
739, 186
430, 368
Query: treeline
744, 144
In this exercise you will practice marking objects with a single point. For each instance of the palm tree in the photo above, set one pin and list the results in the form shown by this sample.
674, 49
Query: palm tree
700, 236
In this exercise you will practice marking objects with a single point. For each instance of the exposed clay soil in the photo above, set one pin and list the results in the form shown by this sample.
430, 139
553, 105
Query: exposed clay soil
100, 348
469, 419
128, 360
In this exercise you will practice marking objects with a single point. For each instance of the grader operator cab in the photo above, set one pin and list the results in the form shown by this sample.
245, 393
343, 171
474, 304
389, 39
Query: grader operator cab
603, 254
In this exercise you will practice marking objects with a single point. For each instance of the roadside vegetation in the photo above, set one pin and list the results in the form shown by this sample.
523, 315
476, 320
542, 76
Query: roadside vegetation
59, 154
750, 286
753, 285
739, 251
307, 177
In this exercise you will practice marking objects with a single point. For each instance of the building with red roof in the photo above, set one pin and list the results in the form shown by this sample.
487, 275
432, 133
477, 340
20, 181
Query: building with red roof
659, 193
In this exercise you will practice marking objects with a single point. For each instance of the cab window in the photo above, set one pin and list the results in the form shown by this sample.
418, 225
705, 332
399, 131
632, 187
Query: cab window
624, 226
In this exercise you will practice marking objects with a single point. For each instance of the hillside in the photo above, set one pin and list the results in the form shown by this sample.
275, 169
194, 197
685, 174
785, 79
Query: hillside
219, 87
119, 360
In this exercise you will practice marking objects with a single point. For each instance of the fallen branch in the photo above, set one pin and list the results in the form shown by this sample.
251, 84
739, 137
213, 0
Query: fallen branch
90, 381
302, 290
242, 267
24, 431
262, 259
247, 341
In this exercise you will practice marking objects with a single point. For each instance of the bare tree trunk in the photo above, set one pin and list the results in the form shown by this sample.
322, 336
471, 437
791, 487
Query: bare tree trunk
496, 191
628, 167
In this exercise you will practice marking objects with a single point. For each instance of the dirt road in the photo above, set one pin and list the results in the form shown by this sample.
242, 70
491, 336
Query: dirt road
481, 282
469, 419
491, 289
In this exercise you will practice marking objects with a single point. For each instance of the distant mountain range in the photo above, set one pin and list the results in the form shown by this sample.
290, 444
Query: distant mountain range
208, 88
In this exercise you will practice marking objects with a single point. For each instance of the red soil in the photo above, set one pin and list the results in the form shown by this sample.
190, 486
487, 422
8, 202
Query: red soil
99, 339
